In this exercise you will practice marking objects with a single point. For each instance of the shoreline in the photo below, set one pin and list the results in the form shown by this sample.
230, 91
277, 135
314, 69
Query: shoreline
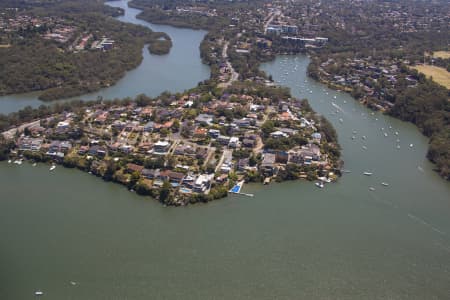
122, 168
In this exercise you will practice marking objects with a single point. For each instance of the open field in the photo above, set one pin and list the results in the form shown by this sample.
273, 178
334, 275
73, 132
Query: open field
441, 54
440, 75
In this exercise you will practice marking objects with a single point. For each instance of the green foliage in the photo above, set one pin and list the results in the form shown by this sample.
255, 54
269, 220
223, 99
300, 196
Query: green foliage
291, 172
428, 107
142, 189
164, 193
35, 64
160, 47
5, 148
328, 130
267, 127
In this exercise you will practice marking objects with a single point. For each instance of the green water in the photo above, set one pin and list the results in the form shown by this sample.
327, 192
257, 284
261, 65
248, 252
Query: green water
290, 241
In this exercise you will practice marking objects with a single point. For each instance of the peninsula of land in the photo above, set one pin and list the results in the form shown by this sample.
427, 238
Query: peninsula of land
184, 148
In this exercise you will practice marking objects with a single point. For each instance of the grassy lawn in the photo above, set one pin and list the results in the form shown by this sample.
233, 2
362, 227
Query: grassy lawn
441, 54
440, 75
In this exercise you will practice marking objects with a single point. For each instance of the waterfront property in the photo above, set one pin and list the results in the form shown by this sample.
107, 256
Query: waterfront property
182, 155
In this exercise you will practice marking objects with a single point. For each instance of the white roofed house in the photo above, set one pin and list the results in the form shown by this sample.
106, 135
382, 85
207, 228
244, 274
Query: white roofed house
161, 147
289, 131
227, 164
278, 134
204, 119
202, 183
63, 125
234, 142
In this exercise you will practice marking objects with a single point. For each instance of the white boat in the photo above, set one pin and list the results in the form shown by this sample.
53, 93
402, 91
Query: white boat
320, 184
364, 147
372, 189
385, 184
385, 134
334, 97
52, 167
39, 293
363, 137
340, 120
353, 137
35, 164
324, 179
367, 173
411, 145
9, 161
398, 146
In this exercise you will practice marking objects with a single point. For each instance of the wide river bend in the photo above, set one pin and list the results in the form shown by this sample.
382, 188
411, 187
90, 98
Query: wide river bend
74, 236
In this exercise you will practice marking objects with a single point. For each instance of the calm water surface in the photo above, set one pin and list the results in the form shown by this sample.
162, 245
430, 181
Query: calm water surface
291, 241
177, 71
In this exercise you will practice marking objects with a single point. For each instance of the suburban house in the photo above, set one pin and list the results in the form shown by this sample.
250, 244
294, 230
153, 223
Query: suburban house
161, 147
268, 163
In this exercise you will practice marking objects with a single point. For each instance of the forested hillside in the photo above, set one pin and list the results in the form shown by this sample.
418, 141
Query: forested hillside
31, 62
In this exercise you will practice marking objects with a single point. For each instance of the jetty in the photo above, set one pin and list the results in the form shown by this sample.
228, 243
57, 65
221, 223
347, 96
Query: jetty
237, 189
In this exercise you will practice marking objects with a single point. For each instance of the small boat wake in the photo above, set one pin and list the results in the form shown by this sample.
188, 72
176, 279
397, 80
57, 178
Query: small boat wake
337, 107
421, 221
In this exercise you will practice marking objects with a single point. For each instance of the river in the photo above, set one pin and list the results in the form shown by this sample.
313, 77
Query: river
74, 236
177, 71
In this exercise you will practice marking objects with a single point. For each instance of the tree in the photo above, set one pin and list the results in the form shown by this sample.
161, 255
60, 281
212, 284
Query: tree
165, 191
176, 126
135, 176
267, 127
